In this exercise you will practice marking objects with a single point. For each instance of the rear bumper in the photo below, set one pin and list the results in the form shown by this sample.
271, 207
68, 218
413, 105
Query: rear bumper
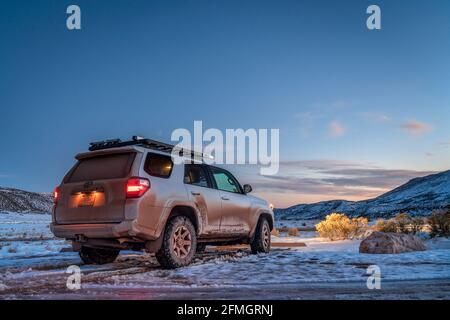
125, 229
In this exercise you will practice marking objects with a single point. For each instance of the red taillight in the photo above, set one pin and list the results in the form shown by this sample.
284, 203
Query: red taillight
56, 195
136, 187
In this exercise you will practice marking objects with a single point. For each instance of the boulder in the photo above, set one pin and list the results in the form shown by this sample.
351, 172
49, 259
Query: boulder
382, 242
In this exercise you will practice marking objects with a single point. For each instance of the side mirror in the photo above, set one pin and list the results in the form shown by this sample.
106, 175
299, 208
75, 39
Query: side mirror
247, 188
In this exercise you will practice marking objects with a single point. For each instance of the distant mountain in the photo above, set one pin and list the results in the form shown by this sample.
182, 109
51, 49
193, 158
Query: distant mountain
418, 197
15, 200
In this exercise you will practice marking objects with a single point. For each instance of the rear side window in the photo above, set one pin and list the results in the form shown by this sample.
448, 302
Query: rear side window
196, 175
112, 166
158, 165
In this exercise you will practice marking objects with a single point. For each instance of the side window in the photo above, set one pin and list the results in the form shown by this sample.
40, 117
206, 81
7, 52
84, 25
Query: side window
225, 181
196, 175
158, 165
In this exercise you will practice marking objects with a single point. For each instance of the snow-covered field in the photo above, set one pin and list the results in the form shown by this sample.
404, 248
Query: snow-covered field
33, 265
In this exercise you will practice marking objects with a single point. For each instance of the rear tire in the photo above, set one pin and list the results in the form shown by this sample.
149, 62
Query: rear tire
98, 256
179, 243
261, 241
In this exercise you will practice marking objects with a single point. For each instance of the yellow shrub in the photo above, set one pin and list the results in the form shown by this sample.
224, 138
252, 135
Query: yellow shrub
293, 232
338, 226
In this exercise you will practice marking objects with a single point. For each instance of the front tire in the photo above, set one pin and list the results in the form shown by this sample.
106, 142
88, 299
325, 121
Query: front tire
179, 243
261, 241
98, 256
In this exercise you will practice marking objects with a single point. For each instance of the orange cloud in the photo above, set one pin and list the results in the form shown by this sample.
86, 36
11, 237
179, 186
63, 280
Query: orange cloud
414, 127
336, 129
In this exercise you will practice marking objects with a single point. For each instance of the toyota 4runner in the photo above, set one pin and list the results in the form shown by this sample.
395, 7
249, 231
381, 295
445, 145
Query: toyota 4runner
132, 195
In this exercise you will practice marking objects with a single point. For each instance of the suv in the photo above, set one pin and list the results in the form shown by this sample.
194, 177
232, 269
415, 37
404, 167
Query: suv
133, 195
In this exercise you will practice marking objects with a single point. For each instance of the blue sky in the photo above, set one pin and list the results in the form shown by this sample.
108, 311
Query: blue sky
359, 111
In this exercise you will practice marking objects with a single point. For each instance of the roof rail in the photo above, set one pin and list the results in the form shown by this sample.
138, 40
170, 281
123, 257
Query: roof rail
147, 143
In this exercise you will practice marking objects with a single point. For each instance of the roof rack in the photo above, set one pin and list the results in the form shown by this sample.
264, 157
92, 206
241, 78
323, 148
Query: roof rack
146, 143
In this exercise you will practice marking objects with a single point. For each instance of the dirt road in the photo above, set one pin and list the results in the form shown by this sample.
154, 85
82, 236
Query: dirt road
138, 276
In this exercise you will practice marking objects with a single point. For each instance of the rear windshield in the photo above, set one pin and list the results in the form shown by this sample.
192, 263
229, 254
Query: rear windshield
112, 166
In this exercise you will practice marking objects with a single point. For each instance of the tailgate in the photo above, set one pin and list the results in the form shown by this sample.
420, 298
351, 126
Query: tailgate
94, 190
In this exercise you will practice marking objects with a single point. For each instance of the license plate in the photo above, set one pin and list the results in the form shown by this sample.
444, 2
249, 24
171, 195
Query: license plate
86, 200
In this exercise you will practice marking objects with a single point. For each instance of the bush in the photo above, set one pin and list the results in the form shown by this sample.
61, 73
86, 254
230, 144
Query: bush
358, 227
440, 224
386, 226
403, 220
401, 223
275, 232
338, 226
417, 225
293, 232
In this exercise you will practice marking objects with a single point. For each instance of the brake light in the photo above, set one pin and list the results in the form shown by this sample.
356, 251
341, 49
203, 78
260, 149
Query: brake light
56, 195
136, 187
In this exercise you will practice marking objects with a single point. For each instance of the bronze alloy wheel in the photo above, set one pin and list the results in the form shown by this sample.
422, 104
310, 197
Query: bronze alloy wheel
266, 236
181, 242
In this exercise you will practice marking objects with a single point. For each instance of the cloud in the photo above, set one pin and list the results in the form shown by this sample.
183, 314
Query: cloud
377, 117
332, 179
414, 127
336, 129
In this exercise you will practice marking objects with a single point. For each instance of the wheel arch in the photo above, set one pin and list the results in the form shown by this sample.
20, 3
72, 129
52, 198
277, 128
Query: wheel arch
187, 211
262, 215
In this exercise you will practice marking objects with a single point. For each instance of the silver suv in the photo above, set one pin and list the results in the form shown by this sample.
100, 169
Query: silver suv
132, 195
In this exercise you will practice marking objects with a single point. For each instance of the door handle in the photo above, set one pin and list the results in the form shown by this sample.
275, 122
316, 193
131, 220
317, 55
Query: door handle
225, 198
195, 193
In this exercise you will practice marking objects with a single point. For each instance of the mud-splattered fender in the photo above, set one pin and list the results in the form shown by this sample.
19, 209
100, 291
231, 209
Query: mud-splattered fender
180, 207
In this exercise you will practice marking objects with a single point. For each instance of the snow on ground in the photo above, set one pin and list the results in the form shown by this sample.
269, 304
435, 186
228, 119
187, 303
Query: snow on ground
27, 235
31, 259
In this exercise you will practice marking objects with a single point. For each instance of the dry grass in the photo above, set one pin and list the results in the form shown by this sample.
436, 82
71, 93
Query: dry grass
275, 232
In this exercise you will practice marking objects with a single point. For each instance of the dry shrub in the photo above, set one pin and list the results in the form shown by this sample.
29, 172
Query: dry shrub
12, 250
293, 232
401, 223
283, 229
417, 225
440, 223
338, 226
386, 226
275, 232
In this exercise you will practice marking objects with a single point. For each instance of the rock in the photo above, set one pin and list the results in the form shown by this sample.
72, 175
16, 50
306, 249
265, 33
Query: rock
381, 242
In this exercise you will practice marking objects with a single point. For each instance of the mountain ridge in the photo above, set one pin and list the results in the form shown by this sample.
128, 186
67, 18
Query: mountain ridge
418, 197
21, 201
